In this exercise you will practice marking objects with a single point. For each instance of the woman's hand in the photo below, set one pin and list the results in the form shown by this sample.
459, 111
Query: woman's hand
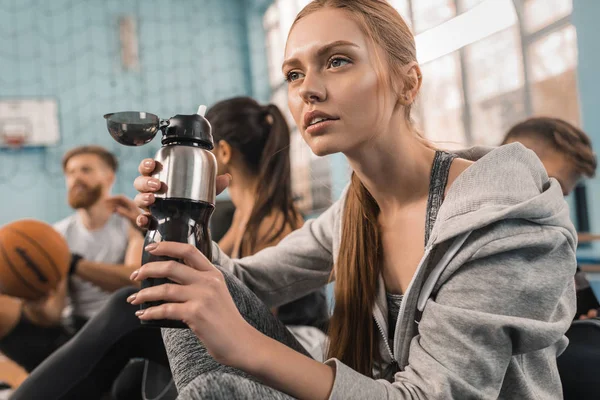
200, 299
147, 186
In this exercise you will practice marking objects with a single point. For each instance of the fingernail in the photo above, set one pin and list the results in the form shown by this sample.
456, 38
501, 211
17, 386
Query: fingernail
148, 163
139, 312
151, 246
134, 274
148, 196
131, 298
154, 184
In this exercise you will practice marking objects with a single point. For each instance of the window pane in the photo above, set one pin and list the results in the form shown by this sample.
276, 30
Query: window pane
428, 14
275, 57
441, 102
301, 180
300, 4
495, 85
466, 5
271, 17
553, 64
553, 54
539, 13
403, 8
491, 17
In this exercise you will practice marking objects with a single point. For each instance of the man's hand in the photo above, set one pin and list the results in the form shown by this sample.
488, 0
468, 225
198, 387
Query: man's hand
124, 206
593, 313
47, 311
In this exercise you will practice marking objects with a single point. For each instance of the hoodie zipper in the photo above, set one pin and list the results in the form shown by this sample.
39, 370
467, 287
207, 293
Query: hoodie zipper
404, 301
385, 340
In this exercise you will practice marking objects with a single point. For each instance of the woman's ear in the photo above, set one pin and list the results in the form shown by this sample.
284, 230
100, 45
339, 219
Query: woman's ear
413, 80
223, 152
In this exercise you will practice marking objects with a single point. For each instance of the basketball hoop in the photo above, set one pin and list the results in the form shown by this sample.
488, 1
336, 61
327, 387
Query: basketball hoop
13, 140
14, 132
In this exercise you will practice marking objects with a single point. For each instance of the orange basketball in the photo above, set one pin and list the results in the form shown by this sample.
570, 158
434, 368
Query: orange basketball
33, 259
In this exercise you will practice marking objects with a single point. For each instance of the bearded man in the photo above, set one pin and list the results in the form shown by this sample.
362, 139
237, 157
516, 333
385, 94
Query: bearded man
106, 248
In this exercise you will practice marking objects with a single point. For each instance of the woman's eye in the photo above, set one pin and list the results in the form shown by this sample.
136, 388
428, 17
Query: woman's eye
338, 62
292, 76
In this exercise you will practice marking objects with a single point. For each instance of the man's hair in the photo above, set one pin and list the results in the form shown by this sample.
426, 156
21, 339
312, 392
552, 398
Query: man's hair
106, 156
562, 137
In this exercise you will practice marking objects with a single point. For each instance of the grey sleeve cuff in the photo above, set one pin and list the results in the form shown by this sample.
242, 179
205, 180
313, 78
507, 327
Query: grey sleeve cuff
351, 385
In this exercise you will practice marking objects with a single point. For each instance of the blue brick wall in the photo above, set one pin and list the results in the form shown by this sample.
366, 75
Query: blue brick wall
191, 52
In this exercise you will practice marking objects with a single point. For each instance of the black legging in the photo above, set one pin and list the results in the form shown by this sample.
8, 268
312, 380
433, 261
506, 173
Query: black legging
87, 365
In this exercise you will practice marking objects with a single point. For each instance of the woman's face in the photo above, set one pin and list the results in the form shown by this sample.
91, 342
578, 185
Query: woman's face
332, 77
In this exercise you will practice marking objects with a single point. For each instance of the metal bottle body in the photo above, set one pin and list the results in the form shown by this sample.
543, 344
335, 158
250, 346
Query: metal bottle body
188, 171
183, 206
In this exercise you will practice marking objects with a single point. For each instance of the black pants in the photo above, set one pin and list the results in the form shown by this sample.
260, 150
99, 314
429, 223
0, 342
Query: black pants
87, 365
579, 365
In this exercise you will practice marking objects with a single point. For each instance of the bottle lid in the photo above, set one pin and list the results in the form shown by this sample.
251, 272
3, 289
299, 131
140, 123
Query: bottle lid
191, 129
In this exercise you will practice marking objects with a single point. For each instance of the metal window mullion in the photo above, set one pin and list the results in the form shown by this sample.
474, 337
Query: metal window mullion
546, 30
524, 54
466, 114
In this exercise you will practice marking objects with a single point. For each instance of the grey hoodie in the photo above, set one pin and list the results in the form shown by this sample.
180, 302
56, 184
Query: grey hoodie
485, 314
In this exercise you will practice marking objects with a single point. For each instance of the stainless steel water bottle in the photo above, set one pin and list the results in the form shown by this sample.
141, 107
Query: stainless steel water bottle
188, 169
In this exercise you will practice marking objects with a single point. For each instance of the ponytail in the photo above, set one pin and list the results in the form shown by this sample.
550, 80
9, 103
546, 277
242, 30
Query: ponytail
352, 335
274, 191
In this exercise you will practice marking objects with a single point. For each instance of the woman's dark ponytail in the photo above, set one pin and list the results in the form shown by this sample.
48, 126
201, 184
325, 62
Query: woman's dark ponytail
262, 136
274, 190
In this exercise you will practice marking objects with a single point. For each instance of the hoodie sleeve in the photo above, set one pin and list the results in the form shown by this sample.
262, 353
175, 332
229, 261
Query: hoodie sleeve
514, 295
299, 264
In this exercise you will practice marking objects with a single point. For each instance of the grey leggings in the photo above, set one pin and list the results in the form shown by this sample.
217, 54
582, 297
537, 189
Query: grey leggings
198, 376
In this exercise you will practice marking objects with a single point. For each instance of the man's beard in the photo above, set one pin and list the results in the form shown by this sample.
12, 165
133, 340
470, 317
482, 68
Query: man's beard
85, 196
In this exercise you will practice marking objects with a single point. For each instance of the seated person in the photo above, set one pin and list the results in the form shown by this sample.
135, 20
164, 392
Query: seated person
106, 248
453, 272
567, 154
252, 145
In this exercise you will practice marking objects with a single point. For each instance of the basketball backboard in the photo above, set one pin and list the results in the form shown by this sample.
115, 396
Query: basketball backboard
28, 122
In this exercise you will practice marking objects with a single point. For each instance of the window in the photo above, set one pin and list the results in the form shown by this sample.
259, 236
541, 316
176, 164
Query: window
403, 7
430, 13
553, 77
274, 45
540, 13
496, 85
486, 64
442, 86
466, 5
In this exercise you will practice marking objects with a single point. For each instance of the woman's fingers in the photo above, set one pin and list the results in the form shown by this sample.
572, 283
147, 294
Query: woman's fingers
175, 311
147, 166
144, 200
190, 255
168, 292
172, 270
145, 184
143, 221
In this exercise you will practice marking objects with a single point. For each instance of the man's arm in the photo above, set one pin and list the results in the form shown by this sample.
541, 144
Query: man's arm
586, 237
111, 277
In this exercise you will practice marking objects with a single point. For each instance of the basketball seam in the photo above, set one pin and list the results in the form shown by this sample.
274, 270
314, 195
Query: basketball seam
12, 267
30, 240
